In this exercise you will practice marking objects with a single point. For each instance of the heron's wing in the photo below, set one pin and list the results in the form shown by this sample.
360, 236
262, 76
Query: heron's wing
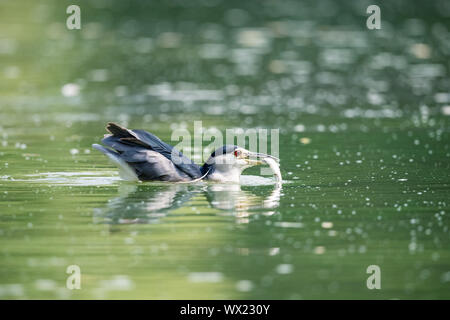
145, 139
121, 145
140, 163
182, 162
151, 165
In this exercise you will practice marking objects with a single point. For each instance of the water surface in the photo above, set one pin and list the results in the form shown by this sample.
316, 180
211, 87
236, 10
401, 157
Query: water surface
364, 147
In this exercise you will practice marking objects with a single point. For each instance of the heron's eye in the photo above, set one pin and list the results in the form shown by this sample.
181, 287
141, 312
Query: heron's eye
237, 153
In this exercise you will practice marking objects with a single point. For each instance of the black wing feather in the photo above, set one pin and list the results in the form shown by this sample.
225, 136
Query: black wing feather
123, 138
151, 165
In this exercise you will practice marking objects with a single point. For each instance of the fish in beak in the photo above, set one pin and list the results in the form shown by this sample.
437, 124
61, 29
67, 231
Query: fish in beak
256, 158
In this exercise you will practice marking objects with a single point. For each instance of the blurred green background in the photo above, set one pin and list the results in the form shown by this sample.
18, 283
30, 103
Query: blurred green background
364, 147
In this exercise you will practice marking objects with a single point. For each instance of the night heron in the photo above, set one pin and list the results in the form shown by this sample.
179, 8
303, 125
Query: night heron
140, 155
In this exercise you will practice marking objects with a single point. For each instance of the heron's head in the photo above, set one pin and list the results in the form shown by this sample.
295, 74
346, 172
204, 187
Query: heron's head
229, 161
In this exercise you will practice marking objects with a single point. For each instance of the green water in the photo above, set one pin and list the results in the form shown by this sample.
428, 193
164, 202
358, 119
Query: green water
364, 147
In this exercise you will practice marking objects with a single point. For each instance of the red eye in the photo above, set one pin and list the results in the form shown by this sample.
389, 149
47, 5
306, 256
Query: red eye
237, 153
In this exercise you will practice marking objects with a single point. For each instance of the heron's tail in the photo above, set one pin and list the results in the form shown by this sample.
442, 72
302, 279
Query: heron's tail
124, 135
118, 131
125, 171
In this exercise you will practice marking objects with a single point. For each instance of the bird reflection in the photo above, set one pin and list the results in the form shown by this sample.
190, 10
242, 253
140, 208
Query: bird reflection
151, 203
232, 197
232, 200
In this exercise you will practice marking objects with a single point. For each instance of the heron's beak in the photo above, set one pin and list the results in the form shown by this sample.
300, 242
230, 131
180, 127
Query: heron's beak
255, 158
